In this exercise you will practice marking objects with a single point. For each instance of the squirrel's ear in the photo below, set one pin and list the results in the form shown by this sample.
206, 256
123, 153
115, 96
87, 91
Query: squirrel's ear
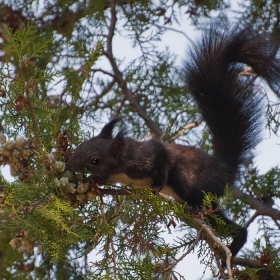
107, 130
117, 145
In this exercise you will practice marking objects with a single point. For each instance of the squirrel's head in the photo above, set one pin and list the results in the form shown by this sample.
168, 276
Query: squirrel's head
99, 154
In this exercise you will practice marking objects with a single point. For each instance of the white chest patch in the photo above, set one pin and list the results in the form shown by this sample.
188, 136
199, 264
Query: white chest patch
125, 180
169, 191
140, 183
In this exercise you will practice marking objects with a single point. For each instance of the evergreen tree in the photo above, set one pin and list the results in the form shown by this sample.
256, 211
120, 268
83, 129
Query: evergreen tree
61, 80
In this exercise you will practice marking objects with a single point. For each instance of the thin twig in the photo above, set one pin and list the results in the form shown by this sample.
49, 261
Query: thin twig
175, 30
103, 71
206, 228
186, 127
256, 214
191, 248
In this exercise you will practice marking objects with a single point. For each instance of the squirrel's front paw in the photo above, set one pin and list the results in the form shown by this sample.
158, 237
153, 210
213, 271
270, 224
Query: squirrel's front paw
156, 189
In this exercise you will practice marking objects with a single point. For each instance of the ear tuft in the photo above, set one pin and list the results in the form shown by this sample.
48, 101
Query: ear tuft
123, 132
107, 130
117, 146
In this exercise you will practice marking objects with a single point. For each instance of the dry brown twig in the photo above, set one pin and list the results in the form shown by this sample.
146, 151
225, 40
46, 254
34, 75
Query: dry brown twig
207, 229
186, 127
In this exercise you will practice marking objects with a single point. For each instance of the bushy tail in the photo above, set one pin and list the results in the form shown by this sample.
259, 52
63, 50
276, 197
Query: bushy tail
229, 102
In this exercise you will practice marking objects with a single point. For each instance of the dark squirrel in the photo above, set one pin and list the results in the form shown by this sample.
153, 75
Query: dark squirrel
229, 103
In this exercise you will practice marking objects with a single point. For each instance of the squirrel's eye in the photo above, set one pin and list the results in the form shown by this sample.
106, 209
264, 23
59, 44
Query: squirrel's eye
95, 161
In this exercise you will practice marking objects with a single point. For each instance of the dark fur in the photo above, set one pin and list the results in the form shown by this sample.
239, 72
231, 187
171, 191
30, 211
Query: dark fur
230, 105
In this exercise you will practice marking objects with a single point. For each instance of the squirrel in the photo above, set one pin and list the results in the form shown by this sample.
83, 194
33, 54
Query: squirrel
231, 105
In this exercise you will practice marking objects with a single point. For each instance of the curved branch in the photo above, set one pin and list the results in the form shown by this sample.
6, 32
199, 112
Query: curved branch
206, 228
245, 262
119, 76
175, 30
262, 208
186, 127
103, 71
256, 214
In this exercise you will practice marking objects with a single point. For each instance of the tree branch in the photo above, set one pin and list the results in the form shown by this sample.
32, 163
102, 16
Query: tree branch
262, 208
186, 127
103, 71
119, 77
256, 214
174, 30
206, 228
245, 262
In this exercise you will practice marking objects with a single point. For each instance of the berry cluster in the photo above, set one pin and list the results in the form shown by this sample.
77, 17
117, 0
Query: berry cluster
74, 193
16, 153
